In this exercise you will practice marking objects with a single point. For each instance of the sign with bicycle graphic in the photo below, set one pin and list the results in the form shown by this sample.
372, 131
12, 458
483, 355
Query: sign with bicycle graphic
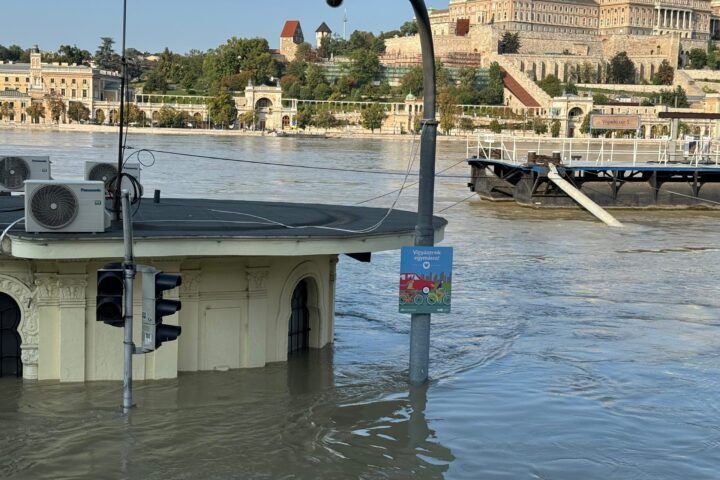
425, 279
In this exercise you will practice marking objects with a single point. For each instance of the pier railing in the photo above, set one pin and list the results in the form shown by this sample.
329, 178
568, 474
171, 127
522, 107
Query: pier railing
692, 151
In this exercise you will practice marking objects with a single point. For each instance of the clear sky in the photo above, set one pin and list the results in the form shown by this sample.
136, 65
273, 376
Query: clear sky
185, 24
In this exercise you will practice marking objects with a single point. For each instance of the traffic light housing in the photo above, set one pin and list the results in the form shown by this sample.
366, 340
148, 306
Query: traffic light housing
155, 307
110, 291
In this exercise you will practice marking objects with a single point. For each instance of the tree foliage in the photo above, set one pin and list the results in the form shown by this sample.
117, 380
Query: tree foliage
78, 112
56, 105
222, 108
555, 128
664, 75
35, 111
495, 126
373, 117
698, 58
105, 56
447, 109
509, 43
551, 85
621, 69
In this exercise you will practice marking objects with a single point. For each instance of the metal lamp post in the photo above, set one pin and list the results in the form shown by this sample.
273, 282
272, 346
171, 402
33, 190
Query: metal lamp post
424, 231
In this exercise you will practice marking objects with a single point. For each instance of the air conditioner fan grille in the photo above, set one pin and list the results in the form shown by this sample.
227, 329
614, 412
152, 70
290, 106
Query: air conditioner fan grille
54, 206
13, 172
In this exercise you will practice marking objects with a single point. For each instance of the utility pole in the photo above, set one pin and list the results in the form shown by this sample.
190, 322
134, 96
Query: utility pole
123, 86
424, 231
129, 269
345, 20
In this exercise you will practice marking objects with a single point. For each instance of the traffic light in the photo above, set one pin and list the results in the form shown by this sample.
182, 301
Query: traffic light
155, 307
110, 289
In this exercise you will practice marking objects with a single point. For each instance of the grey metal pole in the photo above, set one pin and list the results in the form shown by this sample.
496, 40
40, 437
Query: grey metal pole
129, 267
123, 84
424, 232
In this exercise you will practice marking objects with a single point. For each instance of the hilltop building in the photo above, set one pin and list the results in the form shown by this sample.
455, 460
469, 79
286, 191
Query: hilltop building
557, 36
290, 37
323, 31
22, 84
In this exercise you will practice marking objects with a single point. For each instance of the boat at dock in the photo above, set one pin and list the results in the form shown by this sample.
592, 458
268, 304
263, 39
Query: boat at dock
613, 173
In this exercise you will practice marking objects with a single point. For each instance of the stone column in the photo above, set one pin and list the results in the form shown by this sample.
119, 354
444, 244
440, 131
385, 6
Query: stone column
254, 339
664, 18
47, 351
72, 327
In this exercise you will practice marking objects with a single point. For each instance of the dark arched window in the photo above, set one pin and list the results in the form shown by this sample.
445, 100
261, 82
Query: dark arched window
299, 327
10, 364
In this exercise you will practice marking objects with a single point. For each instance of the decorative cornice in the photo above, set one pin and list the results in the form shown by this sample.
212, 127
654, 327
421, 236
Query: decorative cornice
72, 288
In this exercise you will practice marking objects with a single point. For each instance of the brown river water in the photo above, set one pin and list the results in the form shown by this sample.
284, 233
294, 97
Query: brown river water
573, 351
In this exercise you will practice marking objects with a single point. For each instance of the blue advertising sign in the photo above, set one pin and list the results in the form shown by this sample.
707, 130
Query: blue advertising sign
425, 279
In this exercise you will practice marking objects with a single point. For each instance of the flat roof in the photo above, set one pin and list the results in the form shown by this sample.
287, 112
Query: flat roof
200, 227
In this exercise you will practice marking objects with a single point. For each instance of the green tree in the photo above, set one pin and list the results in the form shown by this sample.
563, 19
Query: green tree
509, 43
664, 75
304, 117
373, 117
713, 56
673, 98
167, 116
100, 117
587, 73
539, 126
621, 69
240, 55
555, 128
5, 110
35, 111
571, 89
249, 119
552, 85
333, 47
412, 81
73, 54
77, 112
56, 105
447, 109
105, 56
156, 82
467, 124
305, 53
493, 93
132, 114
408, 28
222, 108
600, 99
325, 119
698, 58
585, 125
365, 66
495, 126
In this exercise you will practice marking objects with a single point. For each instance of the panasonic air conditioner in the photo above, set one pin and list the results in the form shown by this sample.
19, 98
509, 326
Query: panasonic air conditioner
69, 206
107, 172
15, 169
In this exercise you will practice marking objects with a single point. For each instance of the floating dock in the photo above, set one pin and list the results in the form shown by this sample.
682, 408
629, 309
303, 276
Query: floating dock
625, 174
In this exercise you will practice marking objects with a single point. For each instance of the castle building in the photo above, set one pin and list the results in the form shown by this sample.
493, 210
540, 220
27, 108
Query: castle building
322, 31
22, 84
290, 37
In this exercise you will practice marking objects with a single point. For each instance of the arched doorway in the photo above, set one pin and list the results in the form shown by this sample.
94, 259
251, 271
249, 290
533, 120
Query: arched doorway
10, 363
285, 121
299, 324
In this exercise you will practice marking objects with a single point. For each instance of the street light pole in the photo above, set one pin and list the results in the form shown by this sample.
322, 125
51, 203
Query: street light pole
424, 231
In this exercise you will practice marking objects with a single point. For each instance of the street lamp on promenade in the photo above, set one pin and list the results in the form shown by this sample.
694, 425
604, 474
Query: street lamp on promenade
424, 231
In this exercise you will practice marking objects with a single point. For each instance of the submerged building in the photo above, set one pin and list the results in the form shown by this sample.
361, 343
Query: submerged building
258, 283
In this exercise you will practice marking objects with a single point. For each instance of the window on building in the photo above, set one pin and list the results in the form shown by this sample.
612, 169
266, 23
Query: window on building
84, 94
27, 79
84, 81
62, 80
62, 92
52, 80
73, 81
74, 93
17, 79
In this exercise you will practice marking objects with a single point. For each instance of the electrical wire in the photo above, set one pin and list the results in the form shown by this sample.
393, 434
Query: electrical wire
290, 165
7, 229
457, 203
369, 229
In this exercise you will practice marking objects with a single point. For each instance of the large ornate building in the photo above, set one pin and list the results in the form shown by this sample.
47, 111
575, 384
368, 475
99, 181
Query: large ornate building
568, 33
22, 84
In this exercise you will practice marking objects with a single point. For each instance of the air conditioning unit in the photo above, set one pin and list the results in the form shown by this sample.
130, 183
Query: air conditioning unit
15, 169
69, 206
107, 172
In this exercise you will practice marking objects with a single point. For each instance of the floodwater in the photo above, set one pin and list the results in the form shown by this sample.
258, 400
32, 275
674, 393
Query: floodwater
574, 351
